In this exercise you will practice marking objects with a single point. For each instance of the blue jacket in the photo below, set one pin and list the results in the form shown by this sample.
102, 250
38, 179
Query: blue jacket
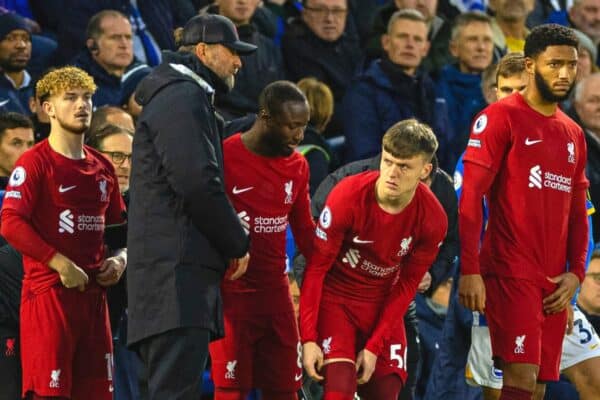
16, 100
373, 103
464, 99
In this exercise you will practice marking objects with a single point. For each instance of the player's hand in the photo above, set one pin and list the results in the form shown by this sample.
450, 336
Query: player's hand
570, 319
365, 365
110, 271
312, 358
567, 284
70, 274
471, 292
425, 283
238, 267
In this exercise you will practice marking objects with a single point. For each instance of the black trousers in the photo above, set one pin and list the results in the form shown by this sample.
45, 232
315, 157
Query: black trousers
173, 363
414, 352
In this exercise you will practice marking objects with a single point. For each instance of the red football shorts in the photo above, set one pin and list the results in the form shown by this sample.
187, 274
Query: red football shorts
66, 345
345, 328
519, 329
258, 352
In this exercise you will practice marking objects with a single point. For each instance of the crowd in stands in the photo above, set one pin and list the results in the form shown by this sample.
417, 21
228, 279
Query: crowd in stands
363, 65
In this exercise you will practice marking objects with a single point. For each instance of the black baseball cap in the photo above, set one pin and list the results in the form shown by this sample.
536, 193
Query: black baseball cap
214, 29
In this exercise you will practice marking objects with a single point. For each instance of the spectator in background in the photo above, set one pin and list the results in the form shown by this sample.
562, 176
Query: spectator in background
488, 83
508, 23
129, 83
111, 115
460, 84
16, 86
393, 89
314, 147
16, 136
318, 44
584, 15
108, 54
589, 295
586, 104
586, 56
41, 120
262, 67
115, 143
438, 31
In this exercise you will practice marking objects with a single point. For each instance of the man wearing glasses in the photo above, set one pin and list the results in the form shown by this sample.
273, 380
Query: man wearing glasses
115, 143
323, 43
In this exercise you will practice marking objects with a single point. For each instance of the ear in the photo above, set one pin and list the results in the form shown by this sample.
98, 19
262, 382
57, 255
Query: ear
385, 42
32, 105
200, 51
426, 171
530, 65
453, 47
48, 108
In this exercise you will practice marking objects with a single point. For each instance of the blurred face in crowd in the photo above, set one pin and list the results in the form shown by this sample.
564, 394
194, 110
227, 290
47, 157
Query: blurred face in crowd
326, 18
406, 44
13, 143
512, 10
507, 85
585, 15
587, 105
36, 108
584, 64
295, 293
122, 119
554, 72
400, 176
426, 7
239, 11
285, 130
114, 45
473, 47
589, 297
221, 60
15, 51
70, 110
117, 148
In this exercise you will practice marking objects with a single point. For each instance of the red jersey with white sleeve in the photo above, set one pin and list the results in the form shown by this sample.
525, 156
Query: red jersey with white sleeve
267, 193
68, 203
364, 254
538, 163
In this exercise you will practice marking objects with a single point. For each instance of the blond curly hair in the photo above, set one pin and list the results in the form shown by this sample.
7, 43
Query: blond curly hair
62, 79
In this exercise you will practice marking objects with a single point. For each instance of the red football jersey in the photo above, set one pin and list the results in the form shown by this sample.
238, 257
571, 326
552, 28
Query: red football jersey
538, 162
267, 192
362, 253
68, 202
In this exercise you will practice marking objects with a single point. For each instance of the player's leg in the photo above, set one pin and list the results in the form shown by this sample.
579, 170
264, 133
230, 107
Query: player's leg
586, 378
340, 380
386, 387
275, 395
230, 394
33, 396
414, 352
480, 370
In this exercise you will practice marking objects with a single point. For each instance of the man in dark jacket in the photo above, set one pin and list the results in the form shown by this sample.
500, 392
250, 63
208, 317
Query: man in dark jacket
183, 230
441, 185
392, 89
262, 67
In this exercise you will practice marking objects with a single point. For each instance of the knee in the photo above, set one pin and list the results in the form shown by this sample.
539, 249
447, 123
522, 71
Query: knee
522, 376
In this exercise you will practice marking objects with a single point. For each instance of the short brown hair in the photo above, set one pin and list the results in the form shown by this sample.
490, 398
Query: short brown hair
13, 120
510, 65
409, 138
94, 26
405, 13
467, 18
320, 100
96, 137
62, 79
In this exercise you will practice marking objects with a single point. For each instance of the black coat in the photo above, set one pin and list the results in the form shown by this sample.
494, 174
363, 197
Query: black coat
182, 228
443, 189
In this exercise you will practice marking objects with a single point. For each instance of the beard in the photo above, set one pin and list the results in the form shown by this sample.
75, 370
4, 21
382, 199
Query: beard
10, 65
546, 91
77, 129
229, 81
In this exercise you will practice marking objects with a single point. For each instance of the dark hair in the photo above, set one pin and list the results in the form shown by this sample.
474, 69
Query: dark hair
465, 19
275, 94
546, 35
100, 116
510, 65
12, 120
94, 26
96, 137
410, 138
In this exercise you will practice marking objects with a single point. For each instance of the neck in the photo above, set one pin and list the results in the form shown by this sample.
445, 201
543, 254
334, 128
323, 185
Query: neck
111, 69
534, 99
392, 205
513, 28
253, 142
464, 68
66, 143
17, 77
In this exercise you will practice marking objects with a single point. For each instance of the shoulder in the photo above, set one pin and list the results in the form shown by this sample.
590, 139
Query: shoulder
98, 158
354, 186
429, 204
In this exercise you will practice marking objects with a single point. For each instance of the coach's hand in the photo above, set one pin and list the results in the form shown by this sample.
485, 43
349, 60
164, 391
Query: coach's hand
471, 292
110, 271
365, 365
70, 274
312, 358
567, 284
238, 267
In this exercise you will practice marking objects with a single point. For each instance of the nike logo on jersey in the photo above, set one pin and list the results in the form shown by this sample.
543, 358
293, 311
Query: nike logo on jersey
531, 142
3, 102
238, 191
358, 241
62, 189
298, 377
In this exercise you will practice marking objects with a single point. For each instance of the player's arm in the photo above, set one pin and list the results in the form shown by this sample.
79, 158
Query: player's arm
301, 221
335, 219
184, 144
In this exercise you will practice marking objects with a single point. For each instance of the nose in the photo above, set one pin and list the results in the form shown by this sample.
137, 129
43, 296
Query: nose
237, 61
563, 73
126, 163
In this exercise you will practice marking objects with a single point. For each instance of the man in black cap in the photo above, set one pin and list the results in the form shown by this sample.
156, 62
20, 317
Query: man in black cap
15, 52
183, 231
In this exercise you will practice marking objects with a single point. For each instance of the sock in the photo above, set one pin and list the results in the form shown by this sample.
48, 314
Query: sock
513, 393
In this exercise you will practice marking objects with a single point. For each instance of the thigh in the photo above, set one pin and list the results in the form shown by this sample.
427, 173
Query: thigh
232, 356
394, 358
337, 332
582, 344
554, 328
278, 355
174, 362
